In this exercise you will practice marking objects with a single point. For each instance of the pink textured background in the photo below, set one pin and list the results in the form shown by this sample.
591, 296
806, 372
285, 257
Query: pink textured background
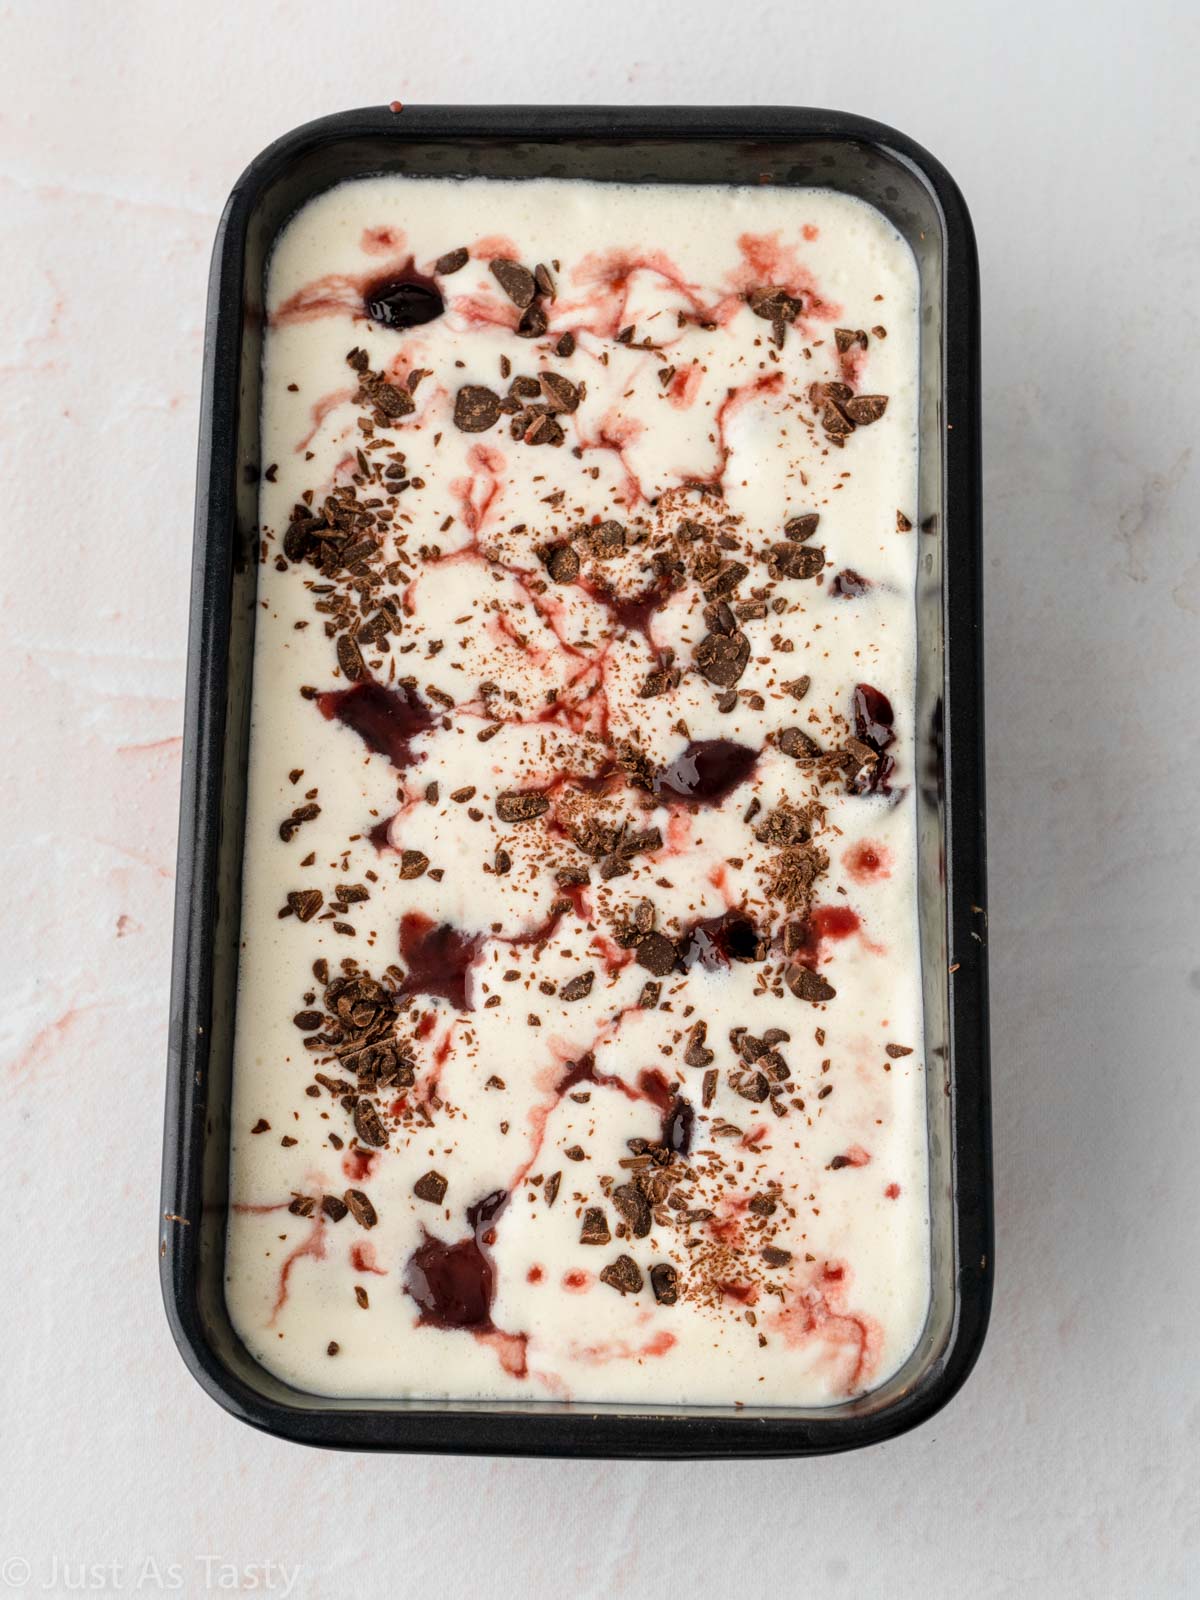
1068, 1466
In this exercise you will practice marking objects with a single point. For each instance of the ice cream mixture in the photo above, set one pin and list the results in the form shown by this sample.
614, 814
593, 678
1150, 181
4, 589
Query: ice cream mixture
579, 1033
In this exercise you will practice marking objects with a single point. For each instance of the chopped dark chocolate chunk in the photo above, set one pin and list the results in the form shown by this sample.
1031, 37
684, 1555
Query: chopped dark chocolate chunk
577, 988
363, 1211
798, 687
750, 1085
562, 563
566, 345
623, 1274
544, 430
368, 1124
305, 903
865, 408
432, 1187
726, 580
308, 1021
533, 323
476, 408
550, 1190
575, 1152
808, 985
521, 805
721, 659
350, 659
413, 863
774, 1256
792, 560
334, 1208
847, 338
517, 281
898, 1050
452, 261
660, 681
656, 954
664, 1280
697, 1053
796, 743
561, 394
634, 1207
595, 1227
801, 528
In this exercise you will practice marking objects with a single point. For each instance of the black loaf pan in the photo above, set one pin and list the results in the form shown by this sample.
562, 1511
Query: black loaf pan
606, 144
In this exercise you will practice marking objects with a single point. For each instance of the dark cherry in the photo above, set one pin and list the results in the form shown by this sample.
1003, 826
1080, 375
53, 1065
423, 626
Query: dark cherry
654, 1087
635, 612
379, 833
848, 584
403, 300
706, 772
677, 1113
453, 1283
677, 1126
873, 720
437, 958
873, 716
386, 720
716, 941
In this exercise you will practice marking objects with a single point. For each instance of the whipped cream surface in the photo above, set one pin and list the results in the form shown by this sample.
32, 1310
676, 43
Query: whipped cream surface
579, 1046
